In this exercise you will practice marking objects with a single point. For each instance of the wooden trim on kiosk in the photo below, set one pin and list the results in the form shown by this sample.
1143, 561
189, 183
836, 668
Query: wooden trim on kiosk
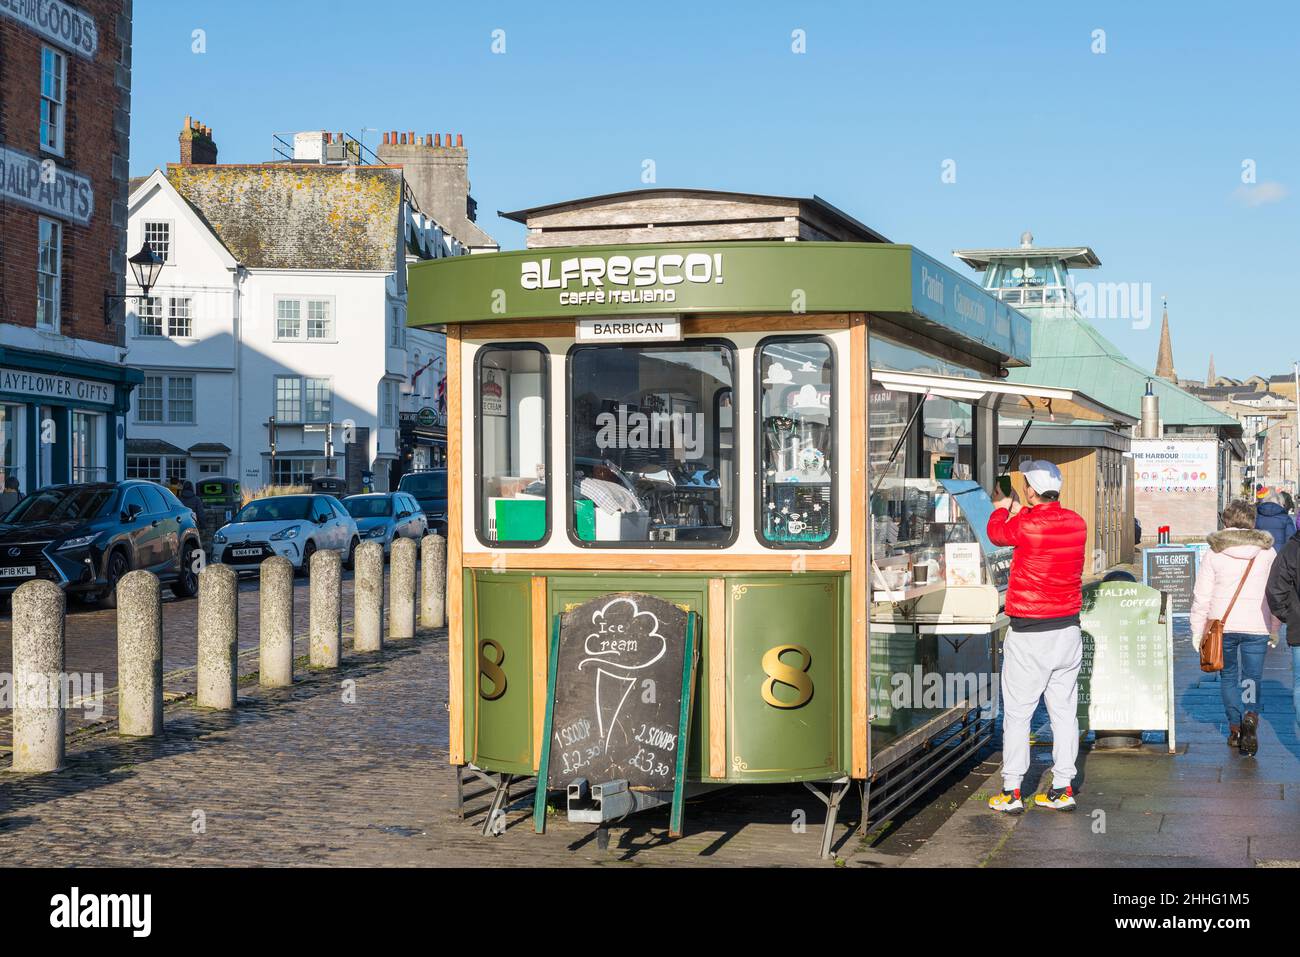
455, 566
541, 658
717, 652
859, 724
691, 326
714, 562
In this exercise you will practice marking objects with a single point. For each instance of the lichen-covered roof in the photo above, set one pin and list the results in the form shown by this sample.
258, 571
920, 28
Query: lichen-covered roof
299, 216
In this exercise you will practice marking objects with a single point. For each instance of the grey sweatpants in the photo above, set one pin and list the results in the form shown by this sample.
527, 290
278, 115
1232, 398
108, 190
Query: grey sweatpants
1040, 664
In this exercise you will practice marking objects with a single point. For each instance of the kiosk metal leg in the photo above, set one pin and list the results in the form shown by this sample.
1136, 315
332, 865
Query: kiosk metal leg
838, 789
499, 798
864, 798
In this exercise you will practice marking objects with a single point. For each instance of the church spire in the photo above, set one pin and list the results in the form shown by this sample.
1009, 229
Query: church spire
1165, 357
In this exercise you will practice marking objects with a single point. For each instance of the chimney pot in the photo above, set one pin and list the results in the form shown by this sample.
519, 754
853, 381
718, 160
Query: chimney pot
428, 139
411, 134
460, 143
448, 141
188, 121
385, 139
394, 138
437, 140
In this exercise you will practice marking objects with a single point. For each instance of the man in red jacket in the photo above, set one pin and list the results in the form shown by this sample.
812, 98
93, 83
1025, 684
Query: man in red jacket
1043, 647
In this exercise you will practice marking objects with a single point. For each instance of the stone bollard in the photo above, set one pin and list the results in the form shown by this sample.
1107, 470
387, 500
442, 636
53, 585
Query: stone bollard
433, 588
368, 593
218, 637
139, 655
401, 589
276, 620
38, 722
326, 608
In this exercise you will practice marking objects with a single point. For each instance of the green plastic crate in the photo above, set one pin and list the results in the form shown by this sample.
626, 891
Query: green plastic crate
584, 520
521, 520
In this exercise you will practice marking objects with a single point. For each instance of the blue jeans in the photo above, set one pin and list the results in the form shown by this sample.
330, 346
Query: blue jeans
1295, 680
1241, 687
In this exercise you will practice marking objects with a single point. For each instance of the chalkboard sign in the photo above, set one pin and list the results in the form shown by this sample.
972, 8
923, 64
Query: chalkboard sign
1172, 570
620, 693
1126, 679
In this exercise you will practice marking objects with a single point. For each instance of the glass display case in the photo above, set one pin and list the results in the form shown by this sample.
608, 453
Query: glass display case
928, 535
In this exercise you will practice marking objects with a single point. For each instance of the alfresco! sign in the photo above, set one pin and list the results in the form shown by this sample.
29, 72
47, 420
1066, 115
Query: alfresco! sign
621, 280
58, 22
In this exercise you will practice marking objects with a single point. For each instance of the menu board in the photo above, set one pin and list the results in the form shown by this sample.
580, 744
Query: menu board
1125, 681
620, 694
1172, 569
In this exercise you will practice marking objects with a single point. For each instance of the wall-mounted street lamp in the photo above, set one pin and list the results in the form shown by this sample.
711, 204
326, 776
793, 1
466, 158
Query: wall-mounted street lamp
145, 267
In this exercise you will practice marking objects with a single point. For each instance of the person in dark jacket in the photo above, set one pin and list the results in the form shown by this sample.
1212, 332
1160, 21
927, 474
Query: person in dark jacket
1272, 517
1043, 648
190, 499
1284, 599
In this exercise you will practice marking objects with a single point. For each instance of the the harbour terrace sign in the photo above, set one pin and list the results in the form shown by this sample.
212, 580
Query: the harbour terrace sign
60, 23
48, 385
45, 186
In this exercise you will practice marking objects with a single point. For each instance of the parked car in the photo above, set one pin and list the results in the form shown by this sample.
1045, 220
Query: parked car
86, 537
385, 516
429, 489
294, 526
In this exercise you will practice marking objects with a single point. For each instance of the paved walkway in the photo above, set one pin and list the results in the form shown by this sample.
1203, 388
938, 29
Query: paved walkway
1205, 806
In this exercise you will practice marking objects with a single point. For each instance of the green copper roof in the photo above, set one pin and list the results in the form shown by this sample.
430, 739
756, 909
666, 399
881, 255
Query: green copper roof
1069, 352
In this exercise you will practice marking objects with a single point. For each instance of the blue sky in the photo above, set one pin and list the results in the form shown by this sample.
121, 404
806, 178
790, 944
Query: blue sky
1137, 151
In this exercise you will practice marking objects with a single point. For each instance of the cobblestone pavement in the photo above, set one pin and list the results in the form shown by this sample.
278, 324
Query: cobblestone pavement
91, 645
299, 777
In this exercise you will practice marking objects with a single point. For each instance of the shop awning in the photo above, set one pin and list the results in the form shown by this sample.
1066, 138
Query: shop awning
1012, 400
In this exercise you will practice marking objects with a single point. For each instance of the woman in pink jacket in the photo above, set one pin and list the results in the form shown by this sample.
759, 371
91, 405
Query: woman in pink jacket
1247, 629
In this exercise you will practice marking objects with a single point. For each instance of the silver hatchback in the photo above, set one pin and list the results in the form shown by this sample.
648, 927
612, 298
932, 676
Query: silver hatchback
386, 516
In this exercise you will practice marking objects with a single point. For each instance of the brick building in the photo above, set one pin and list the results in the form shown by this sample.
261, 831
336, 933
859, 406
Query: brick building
65, 97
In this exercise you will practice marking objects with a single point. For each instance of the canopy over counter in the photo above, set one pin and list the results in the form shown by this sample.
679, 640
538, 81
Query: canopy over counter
1012, 400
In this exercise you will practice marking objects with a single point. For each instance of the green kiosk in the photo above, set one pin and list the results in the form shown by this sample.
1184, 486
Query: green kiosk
776, 421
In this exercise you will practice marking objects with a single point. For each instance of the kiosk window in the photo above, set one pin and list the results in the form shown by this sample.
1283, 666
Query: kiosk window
796, 383
512, 441
651, 455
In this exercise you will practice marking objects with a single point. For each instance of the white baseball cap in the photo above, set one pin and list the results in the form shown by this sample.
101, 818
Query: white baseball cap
1042, 476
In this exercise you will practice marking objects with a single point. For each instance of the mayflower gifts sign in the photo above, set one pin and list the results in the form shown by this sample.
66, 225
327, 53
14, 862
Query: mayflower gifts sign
46, 385
45, 186
59, 22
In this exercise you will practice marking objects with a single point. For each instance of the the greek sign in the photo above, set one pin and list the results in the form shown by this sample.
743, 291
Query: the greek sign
1172, 569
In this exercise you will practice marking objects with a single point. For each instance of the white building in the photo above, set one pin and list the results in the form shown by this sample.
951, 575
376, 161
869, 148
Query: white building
274, 347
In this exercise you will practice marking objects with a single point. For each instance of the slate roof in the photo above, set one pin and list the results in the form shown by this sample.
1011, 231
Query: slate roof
152, 447
299, 216
1071, 353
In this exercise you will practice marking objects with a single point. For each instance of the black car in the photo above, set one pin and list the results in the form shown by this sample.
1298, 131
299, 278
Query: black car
86, 537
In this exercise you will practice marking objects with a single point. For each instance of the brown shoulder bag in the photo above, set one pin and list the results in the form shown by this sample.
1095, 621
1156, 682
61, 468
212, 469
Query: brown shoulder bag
1212, 642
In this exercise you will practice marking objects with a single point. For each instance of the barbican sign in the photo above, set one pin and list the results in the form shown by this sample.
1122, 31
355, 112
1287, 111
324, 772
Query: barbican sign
60, 23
